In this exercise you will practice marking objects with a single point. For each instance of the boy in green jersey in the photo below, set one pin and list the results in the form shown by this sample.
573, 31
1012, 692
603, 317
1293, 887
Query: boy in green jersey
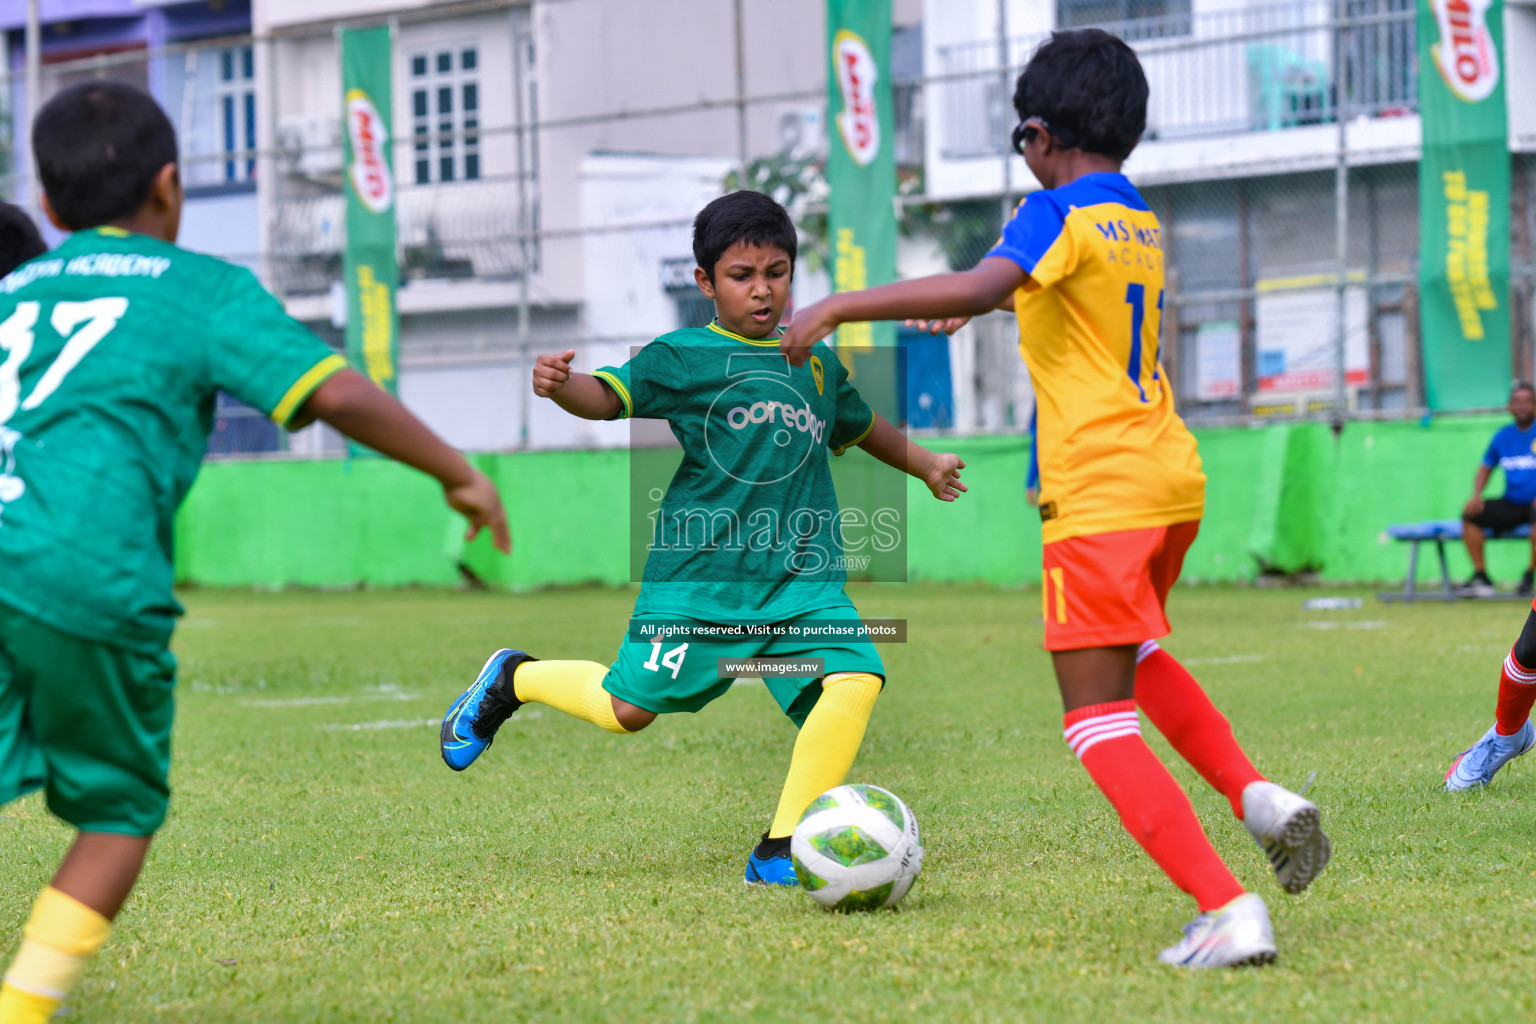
748, 533
19, 238
112, 351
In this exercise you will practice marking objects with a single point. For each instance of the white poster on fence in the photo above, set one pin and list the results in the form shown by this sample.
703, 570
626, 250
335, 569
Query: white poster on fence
1296, 332
1218, 361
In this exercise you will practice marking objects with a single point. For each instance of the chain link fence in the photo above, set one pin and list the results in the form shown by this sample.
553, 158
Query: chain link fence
538, 211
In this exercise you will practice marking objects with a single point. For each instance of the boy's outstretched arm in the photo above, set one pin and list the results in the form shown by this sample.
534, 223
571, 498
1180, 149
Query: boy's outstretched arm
969, 293
951, 324
579, 394
352, 404
940, 471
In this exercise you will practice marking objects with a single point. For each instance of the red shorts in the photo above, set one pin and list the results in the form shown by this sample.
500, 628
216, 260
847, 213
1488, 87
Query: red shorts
1109, 589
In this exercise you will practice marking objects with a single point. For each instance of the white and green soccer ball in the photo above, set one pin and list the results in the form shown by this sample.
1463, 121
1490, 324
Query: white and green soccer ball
857, 848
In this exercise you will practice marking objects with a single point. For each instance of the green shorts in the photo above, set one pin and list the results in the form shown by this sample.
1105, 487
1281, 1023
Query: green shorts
675, 676
89, 722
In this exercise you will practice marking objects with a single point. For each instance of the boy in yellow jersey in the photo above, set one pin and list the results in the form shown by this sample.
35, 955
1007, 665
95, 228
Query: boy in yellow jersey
1121, 488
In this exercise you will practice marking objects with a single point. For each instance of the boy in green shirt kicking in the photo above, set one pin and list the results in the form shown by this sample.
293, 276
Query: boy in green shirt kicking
748, 533
112, 351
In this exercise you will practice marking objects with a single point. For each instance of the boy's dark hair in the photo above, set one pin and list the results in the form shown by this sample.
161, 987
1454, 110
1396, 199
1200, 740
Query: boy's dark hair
19, 239
1089, 89
98, 147
743, 216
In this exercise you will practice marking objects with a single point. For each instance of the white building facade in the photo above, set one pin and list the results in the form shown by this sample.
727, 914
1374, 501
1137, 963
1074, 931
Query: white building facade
1240, 162
550, 156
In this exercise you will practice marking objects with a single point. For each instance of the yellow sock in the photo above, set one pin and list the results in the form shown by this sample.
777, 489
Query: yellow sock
575, 687
829, 740
18, 1007
61, 938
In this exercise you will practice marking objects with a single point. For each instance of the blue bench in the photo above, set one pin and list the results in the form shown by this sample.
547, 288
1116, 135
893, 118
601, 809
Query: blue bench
1437, 532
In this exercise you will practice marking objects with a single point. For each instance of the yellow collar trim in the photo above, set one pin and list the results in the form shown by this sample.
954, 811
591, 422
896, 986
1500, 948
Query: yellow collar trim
714, 325
112, 232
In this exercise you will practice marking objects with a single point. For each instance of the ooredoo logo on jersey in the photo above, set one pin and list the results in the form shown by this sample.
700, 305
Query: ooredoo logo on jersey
761, 430
370, 142
859, 122
1464, 53
801, 419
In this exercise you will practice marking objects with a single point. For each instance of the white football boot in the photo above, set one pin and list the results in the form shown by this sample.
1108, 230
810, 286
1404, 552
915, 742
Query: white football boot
1288, 829
1478, 765
1236, 935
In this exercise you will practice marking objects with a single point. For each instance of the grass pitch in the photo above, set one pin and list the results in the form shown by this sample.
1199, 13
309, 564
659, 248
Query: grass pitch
321, 864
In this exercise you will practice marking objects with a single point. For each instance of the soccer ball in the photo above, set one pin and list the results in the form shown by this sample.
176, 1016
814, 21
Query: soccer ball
857, 848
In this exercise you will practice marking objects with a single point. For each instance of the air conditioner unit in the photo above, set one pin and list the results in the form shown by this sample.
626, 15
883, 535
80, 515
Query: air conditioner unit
309, 145
800, 130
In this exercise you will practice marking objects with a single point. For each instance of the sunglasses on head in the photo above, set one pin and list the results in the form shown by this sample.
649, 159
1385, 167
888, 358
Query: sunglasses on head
1030, 128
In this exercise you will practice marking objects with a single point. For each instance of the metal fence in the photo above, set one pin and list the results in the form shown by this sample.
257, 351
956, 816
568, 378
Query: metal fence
206, 88
1223, 72
538, 214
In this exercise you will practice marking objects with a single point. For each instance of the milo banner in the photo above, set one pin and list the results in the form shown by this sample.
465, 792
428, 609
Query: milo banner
1463, 204
372, 273
861, 170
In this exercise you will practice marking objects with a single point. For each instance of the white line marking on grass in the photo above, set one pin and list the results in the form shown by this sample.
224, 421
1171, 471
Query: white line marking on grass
311, 702
1225, 659
1333, 624
389, 723
401, 723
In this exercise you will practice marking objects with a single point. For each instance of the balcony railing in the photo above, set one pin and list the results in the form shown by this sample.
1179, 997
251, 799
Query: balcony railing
468, 229
1259, 68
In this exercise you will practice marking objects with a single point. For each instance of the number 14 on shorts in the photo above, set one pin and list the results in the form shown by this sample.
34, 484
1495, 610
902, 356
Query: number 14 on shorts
673, 659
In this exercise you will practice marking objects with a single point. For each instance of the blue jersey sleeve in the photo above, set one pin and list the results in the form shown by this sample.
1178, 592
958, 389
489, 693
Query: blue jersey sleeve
1491, 456
1036, 225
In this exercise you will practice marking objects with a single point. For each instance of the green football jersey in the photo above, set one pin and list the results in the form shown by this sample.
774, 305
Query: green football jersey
113, 348
748, 530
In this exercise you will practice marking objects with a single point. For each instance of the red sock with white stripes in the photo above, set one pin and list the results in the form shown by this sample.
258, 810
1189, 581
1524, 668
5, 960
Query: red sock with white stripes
1153, 809
1178, 706
1517, 692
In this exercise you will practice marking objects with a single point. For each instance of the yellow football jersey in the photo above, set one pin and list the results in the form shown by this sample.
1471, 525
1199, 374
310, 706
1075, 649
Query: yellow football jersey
1113, 453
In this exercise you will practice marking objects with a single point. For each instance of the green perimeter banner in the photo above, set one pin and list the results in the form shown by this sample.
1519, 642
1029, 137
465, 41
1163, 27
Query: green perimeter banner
861, 172
371, 269
1463, 204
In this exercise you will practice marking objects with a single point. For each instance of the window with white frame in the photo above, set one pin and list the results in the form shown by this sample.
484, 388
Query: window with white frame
235, 95
1135, 20
445, 113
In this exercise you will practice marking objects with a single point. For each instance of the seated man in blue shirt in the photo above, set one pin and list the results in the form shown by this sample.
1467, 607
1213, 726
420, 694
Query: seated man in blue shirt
1513, 450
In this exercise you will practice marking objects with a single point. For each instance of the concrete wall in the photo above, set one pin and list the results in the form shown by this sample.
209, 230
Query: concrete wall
1286, 498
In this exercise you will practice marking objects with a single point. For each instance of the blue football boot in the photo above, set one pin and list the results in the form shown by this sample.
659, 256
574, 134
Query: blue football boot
769, 863
1477, 765
472, 720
